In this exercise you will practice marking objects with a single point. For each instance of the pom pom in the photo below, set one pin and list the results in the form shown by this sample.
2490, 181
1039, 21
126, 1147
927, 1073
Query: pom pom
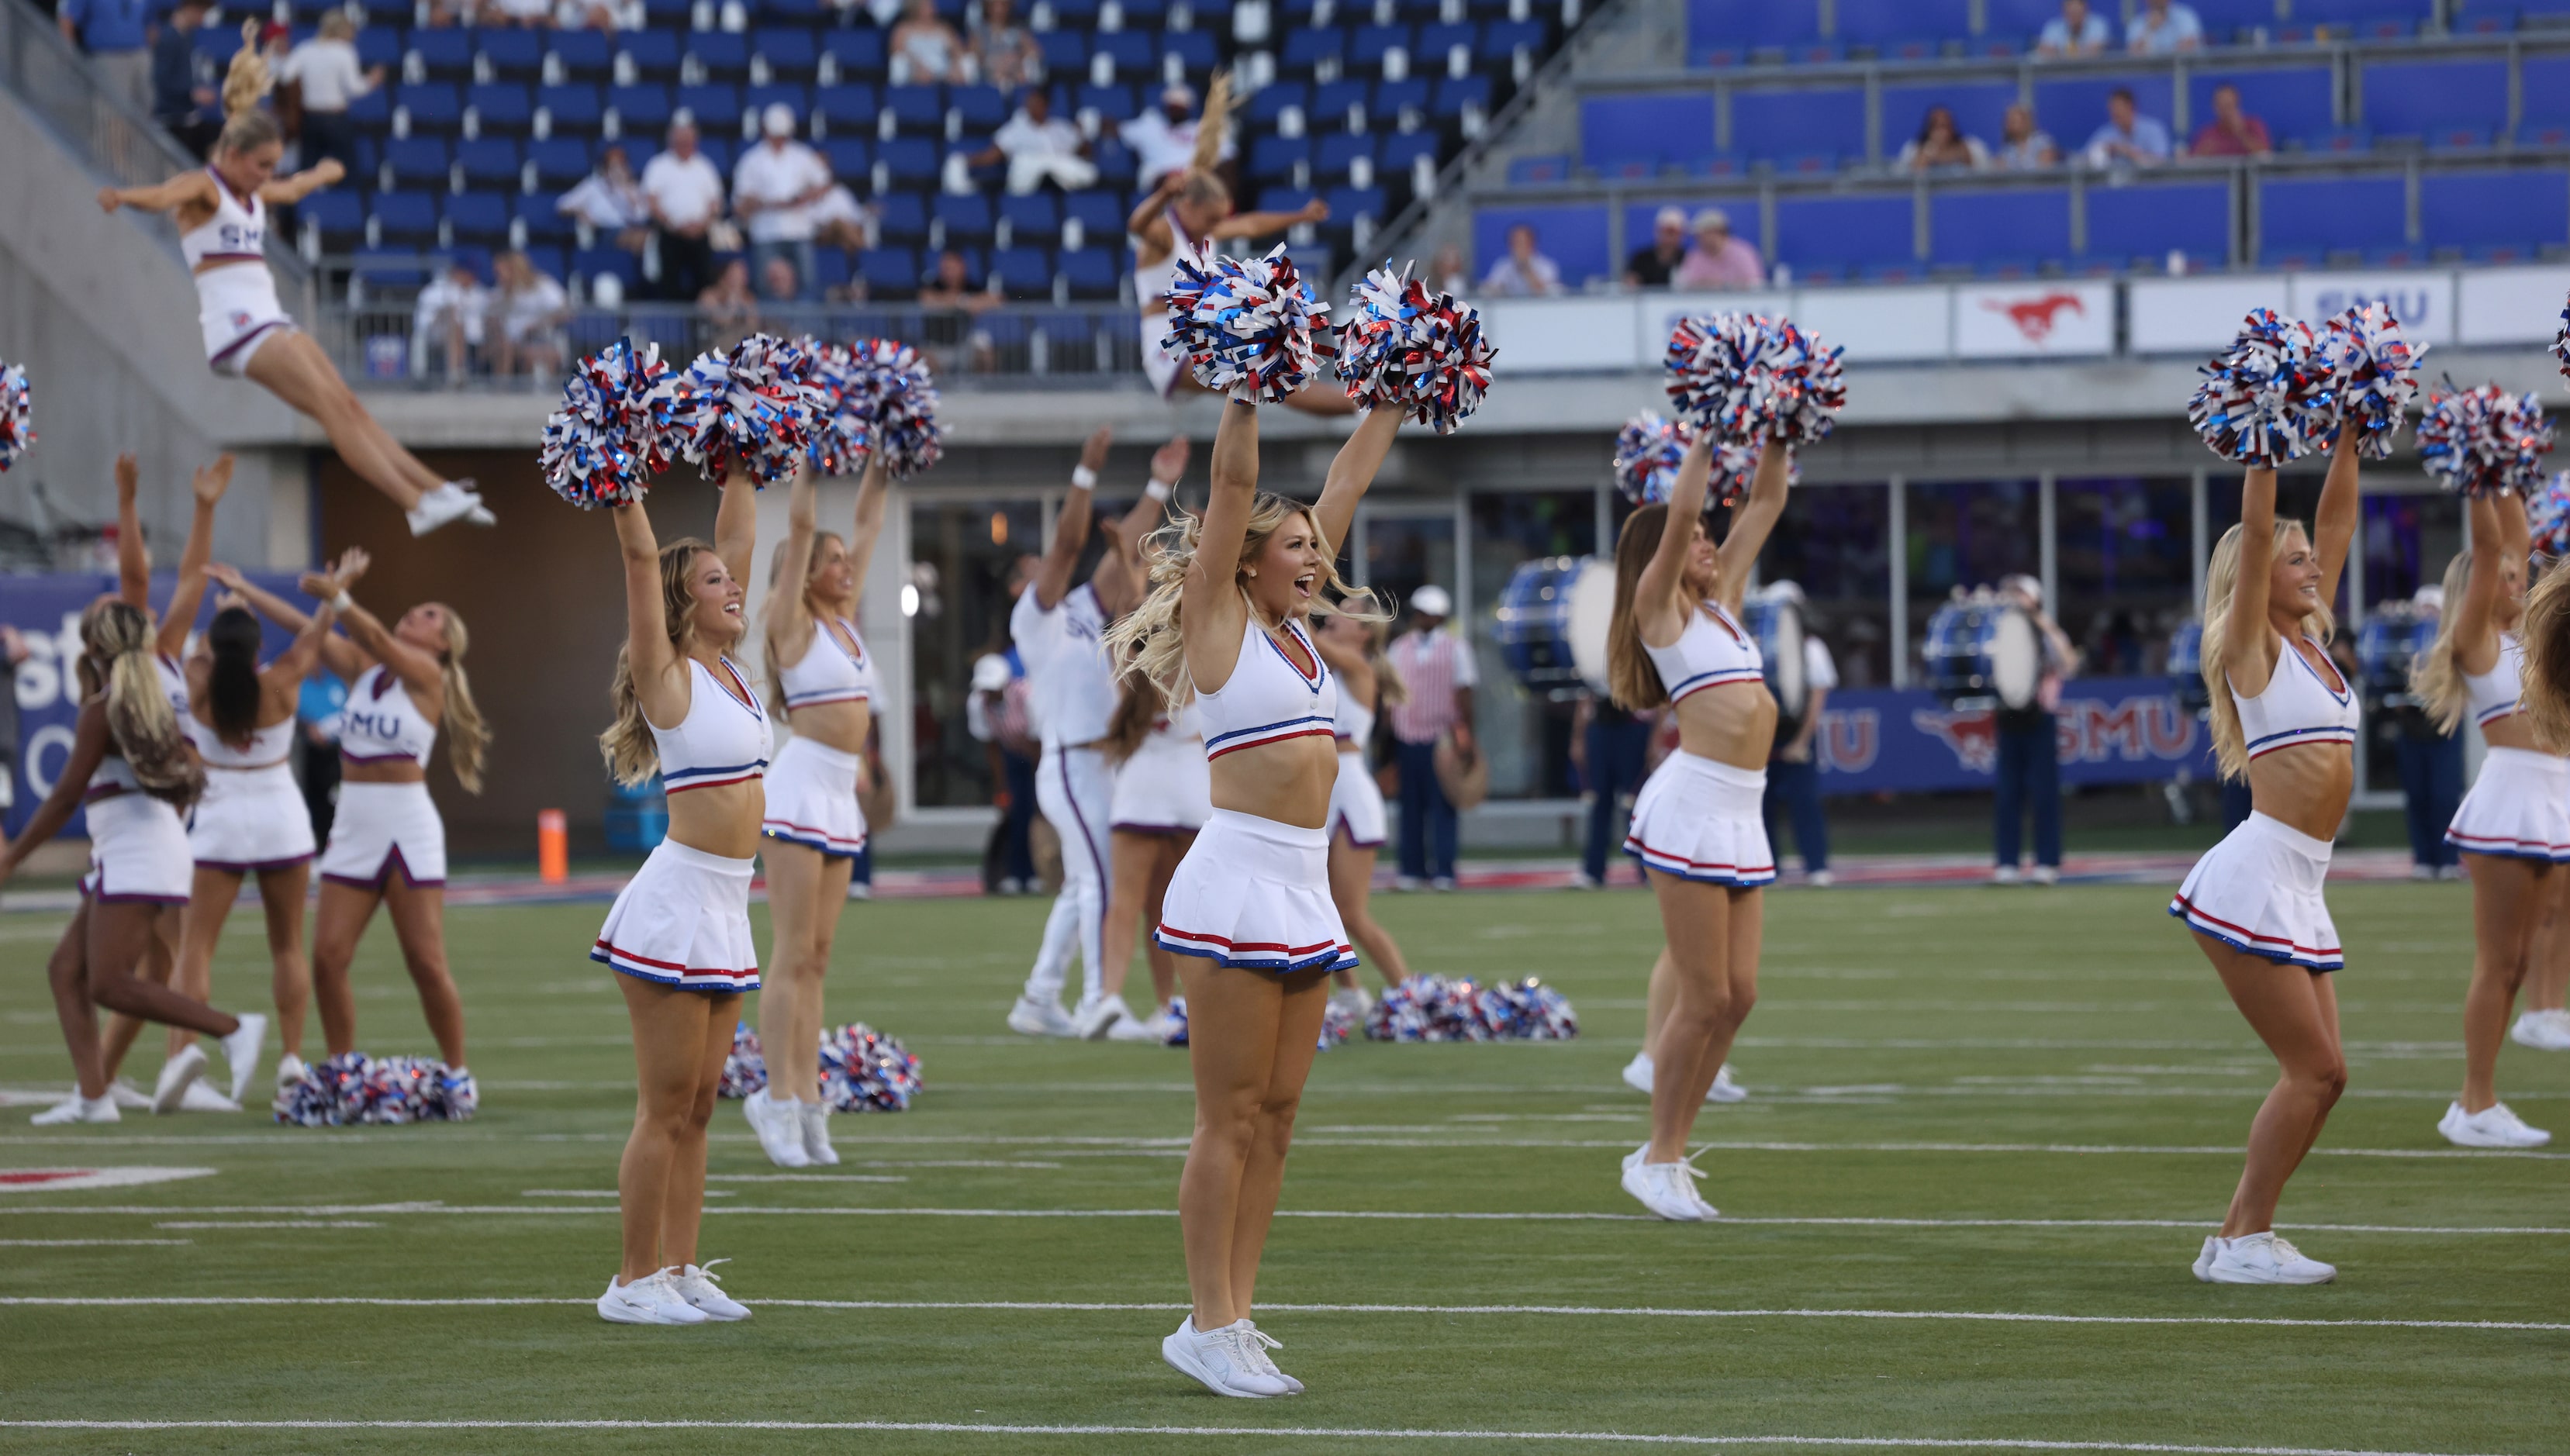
1527, 1010
609, 438
17, 415
756, 407
1433, 1009
2474, 441
843, 432
1649, 450
2561, 342
901, 405
745, 1065
1408, 349
1338, 1021
863, 1070
2255, 405
355, 1088
1248, 328
2547, 513
1177, 1033
2372, 377
1749, 377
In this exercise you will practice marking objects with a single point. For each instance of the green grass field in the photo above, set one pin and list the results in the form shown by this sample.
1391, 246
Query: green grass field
1933, 1070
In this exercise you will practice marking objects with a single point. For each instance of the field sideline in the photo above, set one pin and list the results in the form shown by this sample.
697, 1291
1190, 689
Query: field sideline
1989, 1129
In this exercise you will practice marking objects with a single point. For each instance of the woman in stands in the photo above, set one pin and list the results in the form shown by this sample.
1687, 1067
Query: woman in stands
1696, 825
2514, 825
1191, 209
1250, 904
221, 213
824, 687
1367, 685
2285, 719
679, 936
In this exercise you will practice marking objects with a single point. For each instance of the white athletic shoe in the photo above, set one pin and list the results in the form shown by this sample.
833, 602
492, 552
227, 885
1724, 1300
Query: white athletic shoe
651, 1300
290, 1070
202, 1097
1154, 1027
1442, 883
2263, 1258
177, 1074
816, 1138
126, 1095
2491, 1127
779, 1128
1637, 1073
2004, 875
451, 502
1355, 999
1408, 884
1259, 1343
1095, 1019
1220, 1359
1820, 879
2204, 1257
1161, 1026
1033, 1017
1666, 1189
1724, 1089
2044, 875
2542, 1031
702, 1289
78, 1109
463, 1094
241, 1050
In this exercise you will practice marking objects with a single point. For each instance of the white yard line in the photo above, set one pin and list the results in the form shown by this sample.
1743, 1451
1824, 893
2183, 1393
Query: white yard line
95, 1242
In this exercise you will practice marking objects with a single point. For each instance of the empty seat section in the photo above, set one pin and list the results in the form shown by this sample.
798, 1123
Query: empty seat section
2073, 108
1730, 32
2151, 221
1787, 126
2546, 117
2516, 213
2365, 19
2433, 99
2301, 221
1639, 134
1840, 235
1979, 108
1885, 23
1979, 227
1573, 236
2229, 21
2022, 20
2297, 103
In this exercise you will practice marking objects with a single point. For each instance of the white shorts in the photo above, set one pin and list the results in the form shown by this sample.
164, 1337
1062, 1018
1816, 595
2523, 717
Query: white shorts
1356, 804
1158, 366
812, 799
138, 851
1254, 893
237, 308
2519, 807
1167, 787
684, 921
1077, 792
251, 820
382, 829
2259, 890
1699, 819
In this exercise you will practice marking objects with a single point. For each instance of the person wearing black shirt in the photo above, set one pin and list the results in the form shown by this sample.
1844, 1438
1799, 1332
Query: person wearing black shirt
1650, 267
181, 101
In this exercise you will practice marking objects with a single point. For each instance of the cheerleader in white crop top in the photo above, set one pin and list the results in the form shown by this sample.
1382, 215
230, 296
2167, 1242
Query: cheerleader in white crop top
1357, 828
678, 934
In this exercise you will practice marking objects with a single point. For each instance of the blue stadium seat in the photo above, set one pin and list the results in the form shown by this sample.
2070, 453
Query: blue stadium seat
1335, 159
653, 53
2362, 19
338, 214
2425, 98
513, 55
541, 220
404, 219
1111, 102
796, 96
858, 51
584, 55
1099, 215
1968, 228
1437, 41
1732, 32
640, 110
1402, 150
499, 107
788, 50
917, 109
2296, 100
719, 152
667, 14
479, 217
1573, 235
560, 161
1114, 162
829, 267
847, 107
2545, 121
1273, 159
2485, 17
1306, 49
432, 106
1455, 93
891, 272
911, 159
982, 109
1144, 14
1024, 272
388, 269
1034, 218
1636, 135
377, 45
1134, 56
723, 54
372, 112
1196, 50
1064, 52
417, 162
1347, 204
2073, 108
2300, 222
1536, 172
445, 52
1269, 102
1503, 39
1771, 126
1091, 272
902, 216
1979, 108
1887, 24
2021, 21
1844, 235
489, 161
2483, 210
966, 217
1371, 43
715, 107
850, 160
570, 108
1337, 104
1400, 104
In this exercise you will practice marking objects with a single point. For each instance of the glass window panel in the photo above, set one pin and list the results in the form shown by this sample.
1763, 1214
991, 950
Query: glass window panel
2408, 540
1526, 734
1834, 543
960, 553
1966, 535
2123, 568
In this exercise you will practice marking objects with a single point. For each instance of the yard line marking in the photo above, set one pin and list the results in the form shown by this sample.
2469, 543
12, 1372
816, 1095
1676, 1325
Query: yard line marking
93, 1243
837, 1177
275, 1223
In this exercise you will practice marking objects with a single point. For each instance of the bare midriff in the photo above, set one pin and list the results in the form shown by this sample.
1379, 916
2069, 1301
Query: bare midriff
843, 726
720, 818
1288, 781
1733, 723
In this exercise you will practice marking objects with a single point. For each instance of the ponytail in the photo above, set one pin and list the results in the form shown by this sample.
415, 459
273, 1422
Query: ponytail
246, 127
115, 646
2436, 677
468, 735
233, 686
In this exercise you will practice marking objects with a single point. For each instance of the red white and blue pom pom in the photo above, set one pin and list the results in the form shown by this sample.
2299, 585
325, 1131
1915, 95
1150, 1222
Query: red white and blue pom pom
2547, 515
2561, 342
354, 1088
17, 415
1408, 349
2474, 441
1649, 450
902, 406
2372, 377
862, 1070
1433, 1008
1338, 1022
1527, 1010
1178, 1023
611, 437
1750, 377
844, 432
745, 1065
755, 406
2257, 403
1248, 328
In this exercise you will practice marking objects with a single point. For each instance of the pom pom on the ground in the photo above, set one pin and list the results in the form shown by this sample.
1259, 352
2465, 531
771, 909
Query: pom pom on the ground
1248, 328
901, 406
1178, 1034
1749, 377
1338, 1024
2561, 342
355, 1088
609, 438
863, 1070
755, 406
1433, 1008
844, 431
745, 1066
1408, 349
2255, 404
2372, 379
1529, 1010
2547, 515
17, 413
2474, 441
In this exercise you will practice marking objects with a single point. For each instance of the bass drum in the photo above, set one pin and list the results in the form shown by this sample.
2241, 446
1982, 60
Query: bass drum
1553, 622
2384, 648
1776, 620
1984, 652
2186, 667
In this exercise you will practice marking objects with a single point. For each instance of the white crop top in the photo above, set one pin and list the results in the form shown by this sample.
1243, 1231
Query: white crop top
1180, 726
2495, 694
269, 748
835, 668
2299, 706
1712, 651
382, 724
237, 233
1355, 723
1269, 697
724, 739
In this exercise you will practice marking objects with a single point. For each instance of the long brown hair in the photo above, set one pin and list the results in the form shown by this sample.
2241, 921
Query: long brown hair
116, 666
1631, 680
1152, 636
1137, 712
2545, 632
468, 733
2221, 575
626, 745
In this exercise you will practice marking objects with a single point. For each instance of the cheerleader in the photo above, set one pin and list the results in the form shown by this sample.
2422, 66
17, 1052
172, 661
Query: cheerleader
1696, 825
1163, 793
2514, 825
222, 215
131, 768
679, 936
1250, 904
2285, 719
1367, 684
813, 826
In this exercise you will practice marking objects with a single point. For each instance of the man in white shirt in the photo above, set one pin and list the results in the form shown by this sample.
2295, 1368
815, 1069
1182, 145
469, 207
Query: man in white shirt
447, 318
327, 75
1040, 148
2076, 30
1165, 141
2164, 29
1525, 272
773, 188
1437, 667
1793, 770
610, 201
685, 195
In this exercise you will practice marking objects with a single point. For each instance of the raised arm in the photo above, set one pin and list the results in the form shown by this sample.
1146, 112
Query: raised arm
2249, 645
1260, 224
2475, 630
1149, 221
1655, 593
1070, 529
88, 747
1209, 602
185, 188
788, 623
290, 667
133, 557
341, 656
1351, 472
179, 617
2334, 519
1121, 578
874, 497
288, 191
419, 669
736, 524
660, 684
1753, 521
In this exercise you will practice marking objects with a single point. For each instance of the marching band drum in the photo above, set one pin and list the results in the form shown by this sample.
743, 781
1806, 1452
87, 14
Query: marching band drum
1552, 624
1775, 618
2186, 666
1983, 649
2395, 633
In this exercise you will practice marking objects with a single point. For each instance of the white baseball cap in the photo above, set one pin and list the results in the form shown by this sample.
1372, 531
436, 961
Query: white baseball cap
1432, 600
991, 674
777, 119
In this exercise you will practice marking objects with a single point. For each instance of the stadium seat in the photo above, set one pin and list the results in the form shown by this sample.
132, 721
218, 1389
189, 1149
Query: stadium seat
1336, 159
1338, 105
2361, 19
2545, 119
2480, 211
582, 55
541, 220
1024, 272
1969, 228
1032, 220
640, 109
720, 151
848, 107
1091, 272
1979, 108
568, 108
1349, 203
478, 218
2297, 101
389, 269
1099, 215
829, 267
889, 273
2300, 222
560, 161
1887, 25
1402, 105
797, 98
1065, 52
965, 219
2227, 22
856, 52
1771, 125
335, 216
1308, 50
1371, 43
1402, 150
1636, 135
511, 54
2155, 220
910, 160
902, 216
1733, 32
2073, 108
489, 161
1436, 42
1844, 233
2427, 98
499, 107
377, 45
1454, 93
1268, 103
1503, 40
1193, 50
849, 158
981, 109
1534, 172
404, 219
1132, 51
417, 162
431, 106
716, 108
1573, 235
917, 110
442, 52
789, 52
1274, 159
653, 53
2019, 22
725, 55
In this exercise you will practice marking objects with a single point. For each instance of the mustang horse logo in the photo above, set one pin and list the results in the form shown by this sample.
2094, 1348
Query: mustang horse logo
2035, 317
1973, 736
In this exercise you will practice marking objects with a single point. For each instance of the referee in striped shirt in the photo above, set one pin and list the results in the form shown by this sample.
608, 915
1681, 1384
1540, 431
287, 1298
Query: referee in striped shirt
1437, 667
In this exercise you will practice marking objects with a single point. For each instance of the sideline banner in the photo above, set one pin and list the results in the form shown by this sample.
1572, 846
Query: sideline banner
2111, 730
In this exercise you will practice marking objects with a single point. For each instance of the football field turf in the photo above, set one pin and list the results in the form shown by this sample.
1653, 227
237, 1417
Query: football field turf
1988, 1130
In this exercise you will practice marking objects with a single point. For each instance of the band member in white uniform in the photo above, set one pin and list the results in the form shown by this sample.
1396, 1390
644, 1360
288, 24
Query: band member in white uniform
2285, 718
222, 214
130, 763
1358, 827
1250, 905
824, 687
1189, 210
679, 936
2513, 828
1696, 827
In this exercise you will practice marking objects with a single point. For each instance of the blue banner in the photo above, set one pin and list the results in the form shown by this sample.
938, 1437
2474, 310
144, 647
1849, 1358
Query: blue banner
2111, 730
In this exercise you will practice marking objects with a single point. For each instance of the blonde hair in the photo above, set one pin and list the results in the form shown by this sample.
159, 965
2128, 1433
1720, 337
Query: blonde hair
1631, 680
2221, 575
2435, 677
336, 25
1137, 712
246, 83
468, 733
116, 664
1152, 636
2545, 632
776, 569
626, 745
1213, 129
1389, 690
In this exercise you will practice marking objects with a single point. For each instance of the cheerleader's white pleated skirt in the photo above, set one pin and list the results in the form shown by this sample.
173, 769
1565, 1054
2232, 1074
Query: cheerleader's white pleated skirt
1699, 819
684, 921
2519, 807
1167, 787
383, 829
251, 820
1254, 893
2259, 890
812, 799
1356, 804
138, 851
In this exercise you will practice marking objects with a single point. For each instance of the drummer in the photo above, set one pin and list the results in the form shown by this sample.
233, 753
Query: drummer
1793, 775
2030, 753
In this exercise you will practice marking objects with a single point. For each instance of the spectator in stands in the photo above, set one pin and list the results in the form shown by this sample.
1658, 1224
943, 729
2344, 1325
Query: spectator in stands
1040, 148
180, 102
1447, 272
328, 76
2075, 32
2021, 146
777, 280
949, 306
611, 203
2164, 29
926, 50
2232, 132
840, 221
1653, 265
117, 35
1165, 141
686, 198
2128, 139
1525, 272
1718, 260
1940, 142
731, 311
448, 318
773, 187
536, 14
531, 310
1004, 50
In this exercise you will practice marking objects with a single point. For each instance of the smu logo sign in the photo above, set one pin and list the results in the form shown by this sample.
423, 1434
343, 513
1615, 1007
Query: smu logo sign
2107, 731
2422, 301
2049, 319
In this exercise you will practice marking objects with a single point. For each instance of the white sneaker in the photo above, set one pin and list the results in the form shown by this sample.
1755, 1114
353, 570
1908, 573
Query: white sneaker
1442, 883
451, 502
202, 1097
1582, 879
652, 1299
2263, 1258
2044, 875
2204, 1257
1820, 879
290, 1069
2542, 1031
1033, 1017
779, 1128
78, 1109
1666, 1189
1408, 884
1257, 1347
1354, 999
1161, 1026
1154, 1027
1637, 1073
816, 1139
2422, 871
175, 1076
702, 1289
126, 1095
1095, 1019
1724, 1089
2491, 1127
241, 1050
1220, 1359
2003, 875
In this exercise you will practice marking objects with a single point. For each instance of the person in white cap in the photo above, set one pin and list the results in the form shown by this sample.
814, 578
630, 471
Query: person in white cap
1438, 667
773, 187
1718, 260
1165, 141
